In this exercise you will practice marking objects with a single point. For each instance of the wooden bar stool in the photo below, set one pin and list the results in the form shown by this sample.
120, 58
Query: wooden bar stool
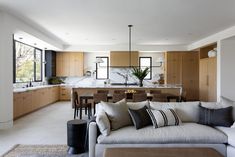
137, 97
77, 105
118, 96
98, 97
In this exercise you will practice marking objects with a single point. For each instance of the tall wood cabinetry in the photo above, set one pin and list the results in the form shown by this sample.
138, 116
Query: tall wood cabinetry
183, 68
69, 64
208, 75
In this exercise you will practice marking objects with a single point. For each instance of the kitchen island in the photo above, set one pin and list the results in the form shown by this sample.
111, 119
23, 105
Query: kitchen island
169, 89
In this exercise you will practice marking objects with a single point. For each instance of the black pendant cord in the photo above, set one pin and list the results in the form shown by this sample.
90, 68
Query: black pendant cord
129, 45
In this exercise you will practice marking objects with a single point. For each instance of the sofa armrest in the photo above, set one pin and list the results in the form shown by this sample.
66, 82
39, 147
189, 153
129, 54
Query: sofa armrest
92, 138
230, 132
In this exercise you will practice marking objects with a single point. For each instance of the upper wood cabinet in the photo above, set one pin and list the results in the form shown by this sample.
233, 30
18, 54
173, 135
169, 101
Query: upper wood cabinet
183, 68
122, 58
69, 64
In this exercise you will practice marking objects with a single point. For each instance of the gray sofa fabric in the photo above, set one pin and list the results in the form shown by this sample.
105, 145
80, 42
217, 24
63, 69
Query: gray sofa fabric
185, 133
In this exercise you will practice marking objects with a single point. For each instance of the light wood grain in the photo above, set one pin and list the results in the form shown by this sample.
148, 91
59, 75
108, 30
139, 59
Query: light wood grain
208, 81
29, 101
69, 64
183, 68
122, 58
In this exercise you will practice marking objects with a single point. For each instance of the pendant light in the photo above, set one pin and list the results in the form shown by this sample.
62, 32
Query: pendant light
130, 26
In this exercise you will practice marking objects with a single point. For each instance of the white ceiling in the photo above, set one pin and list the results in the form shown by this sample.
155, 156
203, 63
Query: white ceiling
104, 22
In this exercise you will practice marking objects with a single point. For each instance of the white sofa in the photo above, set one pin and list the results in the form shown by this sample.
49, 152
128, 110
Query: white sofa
189, 134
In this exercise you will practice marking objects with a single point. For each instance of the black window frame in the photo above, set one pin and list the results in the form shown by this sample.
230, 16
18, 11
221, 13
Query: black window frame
34, 64
105, 66
150, 67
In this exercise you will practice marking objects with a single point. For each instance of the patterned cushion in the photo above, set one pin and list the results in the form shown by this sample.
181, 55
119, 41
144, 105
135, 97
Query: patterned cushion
161, 118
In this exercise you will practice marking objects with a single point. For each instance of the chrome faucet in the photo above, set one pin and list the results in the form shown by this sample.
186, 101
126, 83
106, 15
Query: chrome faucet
124, 76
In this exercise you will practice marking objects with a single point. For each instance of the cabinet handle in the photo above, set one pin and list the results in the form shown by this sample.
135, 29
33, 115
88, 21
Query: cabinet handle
207, 80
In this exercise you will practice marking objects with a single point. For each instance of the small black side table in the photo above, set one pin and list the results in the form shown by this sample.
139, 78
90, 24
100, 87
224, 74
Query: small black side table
76, 136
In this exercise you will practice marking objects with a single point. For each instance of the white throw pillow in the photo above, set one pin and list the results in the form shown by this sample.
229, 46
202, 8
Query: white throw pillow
137, 105
103, 123
187, 111
161, 118
117, 113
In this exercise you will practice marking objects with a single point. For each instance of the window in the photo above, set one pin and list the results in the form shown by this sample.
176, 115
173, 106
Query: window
146, 62
28, 63
102, 69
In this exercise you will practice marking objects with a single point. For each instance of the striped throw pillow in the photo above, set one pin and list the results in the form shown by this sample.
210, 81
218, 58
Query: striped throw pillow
161, 118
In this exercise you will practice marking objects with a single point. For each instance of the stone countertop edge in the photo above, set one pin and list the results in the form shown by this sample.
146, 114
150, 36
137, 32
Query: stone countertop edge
160, 87
19, 90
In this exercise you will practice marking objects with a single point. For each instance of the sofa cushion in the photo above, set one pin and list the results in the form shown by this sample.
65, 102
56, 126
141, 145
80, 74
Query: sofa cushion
226, 102
230, 132
216, 117
161, 118
140, 117
185, 133
117, 114
103, 123
187, 111
211, 105
137, 105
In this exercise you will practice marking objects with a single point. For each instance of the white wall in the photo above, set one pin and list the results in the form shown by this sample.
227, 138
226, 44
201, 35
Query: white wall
6, 74
227, 68
9, 25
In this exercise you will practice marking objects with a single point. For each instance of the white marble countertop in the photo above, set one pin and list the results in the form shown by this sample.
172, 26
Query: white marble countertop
128, 86
18, 90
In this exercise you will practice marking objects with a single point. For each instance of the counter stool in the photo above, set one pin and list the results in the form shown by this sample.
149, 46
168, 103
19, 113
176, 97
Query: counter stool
76, 136
77, 105
98, 97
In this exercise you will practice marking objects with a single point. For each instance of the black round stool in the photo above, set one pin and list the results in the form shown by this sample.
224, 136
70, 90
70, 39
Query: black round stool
76, 136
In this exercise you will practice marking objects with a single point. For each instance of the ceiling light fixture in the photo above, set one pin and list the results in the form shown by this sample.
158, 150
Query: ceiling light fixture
130, 26
99, 60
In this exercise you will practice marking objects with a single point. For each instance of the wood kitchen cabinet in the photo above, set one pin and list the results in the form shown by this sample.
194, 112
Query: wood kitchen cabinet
208, 85
183, 68
65, 93
69, 64
122, 58
29, 101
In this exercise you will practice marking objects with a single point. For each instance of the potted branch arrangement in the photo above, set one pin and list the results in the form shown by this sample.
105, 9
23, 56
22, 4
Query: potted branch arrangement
140, 74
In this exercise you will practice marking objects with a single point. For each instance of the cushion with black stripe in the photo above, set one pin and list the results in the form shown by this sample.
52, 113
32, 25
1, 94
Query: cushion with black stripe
140, 117
161, 118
